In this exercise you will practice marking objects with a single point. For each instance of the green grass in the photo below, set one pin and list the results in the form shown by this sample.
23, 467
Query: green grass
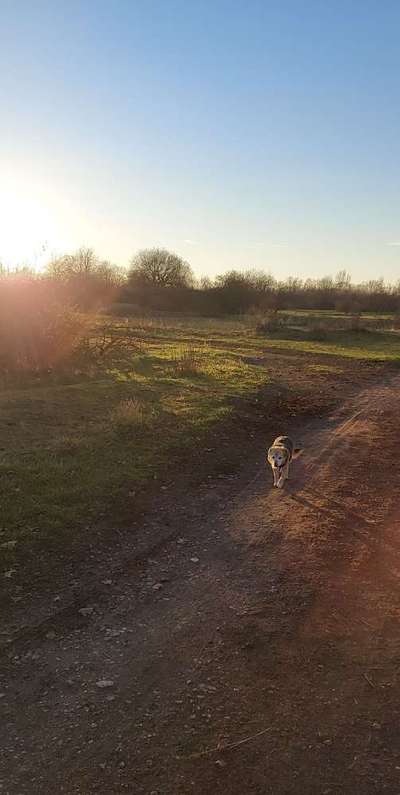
379, 346
76, 447
72, 451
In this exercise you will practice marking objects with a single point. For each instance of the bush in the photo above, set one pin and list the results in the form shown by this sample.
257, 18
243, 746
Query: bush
108, 341
270, 323
37, 333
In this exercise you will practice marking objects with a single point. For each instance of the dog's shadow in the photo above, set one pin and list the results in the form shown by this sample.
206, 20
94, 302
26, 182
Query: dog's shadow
299, 490
322, 504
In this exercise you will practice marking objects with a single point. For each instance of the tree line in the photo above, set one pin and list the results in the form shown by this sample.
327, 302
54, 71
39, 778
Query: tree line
158, 280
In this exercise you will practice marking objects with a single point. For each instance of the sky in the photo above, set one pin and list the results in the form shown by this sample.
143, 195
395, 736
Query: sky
238, 134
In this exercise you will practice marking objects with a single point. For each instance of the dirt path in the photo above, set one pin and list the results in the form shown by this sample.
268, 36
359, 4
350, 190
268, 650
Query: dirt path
257, 651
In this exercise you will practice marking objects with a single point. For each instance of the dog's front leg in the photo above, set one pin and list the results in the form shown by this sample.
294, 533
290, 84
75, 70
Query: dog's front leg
275, 471
284, 476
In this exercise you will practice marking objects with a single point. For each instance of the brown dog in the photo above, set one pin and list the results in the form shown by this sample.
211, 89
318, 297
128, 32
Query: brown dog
280, 454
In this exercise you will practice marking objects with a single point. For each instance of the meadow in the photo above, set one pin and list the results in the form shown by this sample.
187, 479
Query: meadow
137, 400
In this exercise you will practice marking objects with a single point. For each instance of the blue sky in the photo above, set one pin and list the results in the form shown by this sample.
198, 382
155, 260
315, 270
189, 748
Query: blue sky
238, 134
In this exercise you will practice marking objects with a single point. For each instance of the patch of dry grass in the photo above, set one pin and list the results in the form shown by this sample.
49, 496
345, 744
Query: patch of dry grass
129, 413
187, 362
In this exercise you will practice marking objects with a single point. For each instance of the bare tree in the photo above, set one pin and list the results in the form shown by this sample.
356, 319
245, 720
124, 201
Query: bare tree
87, 280
157, 267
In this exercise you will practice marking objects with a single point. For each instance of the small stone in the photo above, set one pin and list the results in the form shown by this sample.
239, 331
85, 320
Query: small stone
86, 611
194, 559
8, 545
157, 586
105, 683
107, 582
50, 635
8, 574
220, 763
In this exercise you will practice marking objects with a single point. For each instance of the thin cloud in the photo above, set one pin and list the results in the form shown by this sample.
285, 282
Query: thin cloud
265, 244
190, 242
396, 243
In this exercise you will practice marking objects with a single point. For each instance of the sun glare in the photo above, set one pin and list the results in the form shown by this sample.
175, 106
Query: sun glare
28, 228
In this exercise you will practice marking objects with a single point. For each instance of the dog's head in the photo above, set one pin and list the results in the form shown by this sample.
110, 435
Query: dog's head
277, 457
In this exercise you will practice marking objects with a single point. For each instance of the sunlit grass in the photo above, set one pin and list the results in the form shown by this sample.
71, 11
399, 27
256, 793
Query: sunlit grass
73, 451
364, 345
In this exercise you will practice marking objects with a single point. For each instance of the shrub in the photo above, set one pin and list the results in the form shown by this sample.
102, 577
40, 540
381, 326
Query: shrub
37, 333
270, 323
106, 344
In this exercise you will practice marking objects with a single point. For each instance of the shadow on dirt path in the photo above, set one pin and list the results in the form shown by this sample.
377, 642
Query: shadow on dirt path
257, 651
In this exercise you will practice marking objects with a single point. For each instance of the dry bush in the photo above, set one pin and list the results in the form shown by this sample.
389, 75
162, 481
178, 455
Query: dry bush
129, 413
110, 339
272, 321
37, 333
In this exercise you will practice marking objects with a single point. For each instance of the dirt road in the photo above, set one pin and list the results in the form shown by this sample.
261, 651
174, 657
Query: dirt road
256, 651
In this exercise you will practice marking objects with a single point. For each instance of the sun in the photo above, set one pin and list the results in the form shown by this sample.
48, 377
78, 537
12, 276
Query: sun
28, 226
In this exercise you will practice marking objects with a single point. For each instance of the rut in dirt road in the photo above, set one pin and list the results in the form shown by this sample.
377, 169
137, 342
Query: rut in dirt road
275, 622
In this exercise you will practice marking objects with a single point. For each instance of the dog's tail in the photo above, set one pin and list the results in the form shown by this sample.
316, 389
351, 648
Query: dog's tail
297, 451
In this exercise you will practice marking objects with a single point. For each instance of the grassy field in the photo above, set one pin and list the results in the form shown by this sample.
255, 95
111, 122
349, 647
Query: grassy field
78, 446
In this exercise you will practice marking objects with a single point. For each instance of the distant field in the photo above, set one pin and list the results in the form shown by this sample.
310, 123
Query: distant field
77, 446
